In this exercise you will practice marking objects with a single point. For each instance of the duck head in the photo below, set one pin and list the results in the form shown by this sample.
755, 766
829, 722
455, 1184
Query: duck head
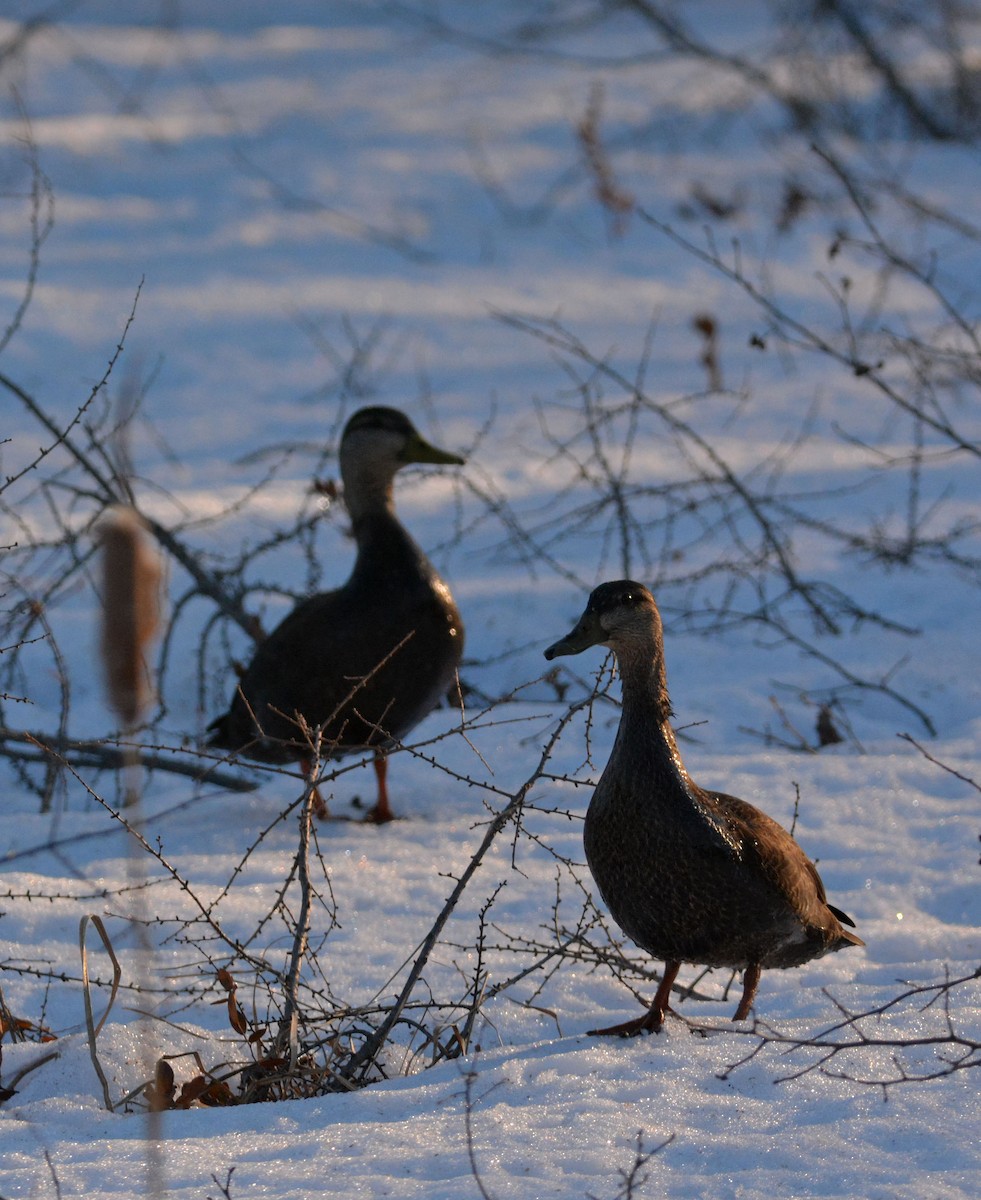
616, 615
376, 443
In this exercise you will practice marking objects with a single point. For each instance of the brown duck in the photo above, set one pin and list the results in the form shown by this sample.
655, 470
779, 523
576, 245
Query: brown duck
368, 661
689, 875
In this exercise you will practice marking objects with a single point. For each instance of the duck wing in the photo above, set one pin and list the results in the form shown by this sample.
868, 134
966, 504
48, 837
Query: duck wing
771, 854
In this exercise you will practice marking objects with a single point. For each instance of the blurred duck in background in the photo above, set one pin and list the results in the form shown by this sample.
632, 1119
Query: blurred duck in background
367, 662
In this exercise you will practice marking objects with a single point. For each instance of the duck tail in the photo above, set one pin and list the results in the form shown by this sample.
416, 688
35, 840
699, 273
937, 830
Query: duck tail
845, 938
219, 734
843, 917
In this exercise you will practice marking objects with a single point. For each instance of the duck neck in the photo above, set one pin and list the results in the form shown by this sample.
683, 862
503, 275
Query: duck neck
645, 719
367, 493
387, 554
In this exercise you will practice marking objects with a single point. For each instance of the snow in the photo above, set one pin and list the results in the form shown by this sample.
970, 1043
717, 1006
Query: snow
287, 190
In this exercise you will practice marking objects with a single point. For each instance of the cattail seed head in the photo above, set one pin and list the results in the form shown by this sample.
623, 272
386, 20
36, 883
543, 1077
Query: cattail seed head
131, 578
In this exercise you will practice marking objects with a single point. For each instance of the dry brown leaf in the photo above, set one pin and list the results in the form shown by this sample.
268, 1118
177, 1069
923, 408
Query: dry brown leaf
236, 1017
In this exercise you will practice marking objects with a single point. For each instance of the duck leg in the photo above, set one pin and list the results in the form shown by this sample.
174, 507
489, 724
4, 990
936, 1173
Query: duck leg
653, 1019
751, 979
382, 811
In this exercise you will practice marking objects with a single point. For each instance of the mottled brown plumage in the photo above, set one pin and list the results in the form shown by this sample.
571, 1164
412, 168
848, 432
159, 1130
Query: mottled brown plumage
688, 874
371, 659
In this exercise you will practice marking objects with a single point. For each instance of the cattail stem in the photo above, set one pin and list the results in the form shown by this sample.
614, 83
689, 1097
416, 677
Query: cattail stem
131, 614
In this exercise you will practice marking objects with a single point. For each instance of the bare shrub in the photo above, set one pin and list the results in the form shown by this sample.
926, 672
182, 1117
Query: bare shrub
721, 543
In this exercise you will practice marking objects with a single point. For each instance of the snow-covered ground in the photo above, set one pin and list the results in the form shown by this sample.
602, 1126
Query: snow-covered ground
292, 192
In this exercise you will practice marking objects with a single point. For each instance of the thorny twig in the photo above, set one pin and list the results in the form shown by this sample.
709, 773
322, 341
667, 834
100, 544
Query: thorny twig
954, 1051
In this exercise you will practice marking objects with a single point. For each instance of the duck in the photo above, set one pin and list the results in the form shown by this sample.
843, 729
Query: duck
368, 660
689, 875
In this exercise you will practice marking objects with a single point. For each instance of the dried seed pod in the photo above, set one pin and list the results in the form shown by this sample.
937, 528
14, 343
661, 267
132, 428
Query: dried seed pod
131, 611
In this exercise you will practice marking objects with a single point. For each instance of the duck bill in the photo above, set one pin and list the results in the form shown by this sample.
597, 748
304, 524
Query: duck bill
418, 450
588, 632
